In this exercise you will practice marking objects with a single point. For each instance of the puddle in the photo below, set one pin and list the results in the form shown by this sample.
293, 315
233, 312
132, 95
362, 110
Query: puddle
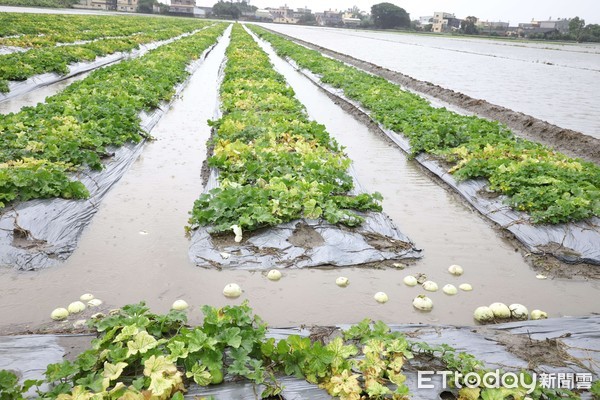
120, 265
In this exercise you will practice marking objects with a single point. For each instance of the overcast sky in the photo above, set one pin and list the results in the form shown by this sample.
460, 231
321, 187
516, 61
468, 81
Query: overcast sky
513, 11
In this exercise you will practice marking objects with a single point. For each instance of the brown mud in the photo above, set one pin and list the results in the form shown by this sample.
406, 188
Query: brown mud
305, 236
570, 142
535, 352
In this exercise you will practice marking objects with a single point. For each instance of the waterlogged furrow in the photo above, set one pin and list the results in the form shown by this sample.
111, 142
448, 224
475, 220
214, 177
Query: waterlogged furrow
22, 65
548, 185
40, 146
274, 164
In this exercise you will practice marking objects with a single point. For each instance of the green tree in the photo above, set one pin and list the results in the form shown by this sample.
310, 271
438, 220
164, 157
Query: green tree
145, 6
593, 31
467, 26
576, 26
307, 19
163, 8
388, 15
245, 7
365, 21
227, 10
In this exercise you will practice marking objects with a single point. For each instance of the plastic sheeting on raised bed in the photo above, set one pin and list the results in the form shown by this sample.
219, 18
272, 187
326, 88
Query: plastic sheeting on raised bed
304, 243
11, 49
19, 88
40, 233
552, 346
575, 242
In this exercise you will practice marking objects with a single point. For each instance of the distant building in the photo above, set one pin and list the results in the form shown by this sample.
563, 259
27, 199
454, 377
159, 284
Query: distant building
351, 22
127, 5
561, 25
329, 18
182, 6
202, 12
512, 31
489, 27
302, 12
445, 22
285, 20
283, 15
544, 27
263, 15
107, 5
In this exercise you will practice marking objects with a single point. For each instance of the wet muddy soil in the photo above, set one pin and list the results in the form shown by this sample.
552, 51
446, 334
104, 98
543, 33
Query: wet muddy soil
568, 141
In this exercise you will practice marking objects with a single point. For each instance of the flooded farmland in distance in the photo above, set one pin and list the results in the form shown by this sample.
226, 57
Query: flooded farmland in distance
557, 83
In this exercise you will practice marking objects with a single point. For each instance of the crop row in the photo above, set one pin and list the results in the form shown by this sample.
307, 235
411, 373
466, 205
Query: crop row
41, 145
548, 185
36, 30
20, 66
66, 38
274, 164
140, 355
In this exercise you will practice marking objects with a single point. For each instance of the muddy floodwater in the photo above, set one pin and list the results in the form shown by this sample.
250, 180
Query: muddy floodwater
135, 248
557, 83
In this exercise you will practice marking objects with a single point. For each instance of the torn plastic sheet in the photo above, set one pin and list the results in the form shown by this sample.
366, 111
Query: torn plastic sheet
41, 233
18, 88
575, 242
530, 345
304, 243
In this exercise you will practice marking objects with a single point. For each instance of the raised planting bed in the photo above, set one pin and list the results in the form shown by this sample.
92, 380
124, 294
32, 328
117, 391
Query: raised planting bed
44, 30
20, 66
272, 167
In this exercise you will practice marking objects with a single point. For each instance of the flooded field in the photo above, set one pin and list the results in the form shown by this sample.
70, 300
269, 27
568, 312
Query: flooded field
557, 83
135, 248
